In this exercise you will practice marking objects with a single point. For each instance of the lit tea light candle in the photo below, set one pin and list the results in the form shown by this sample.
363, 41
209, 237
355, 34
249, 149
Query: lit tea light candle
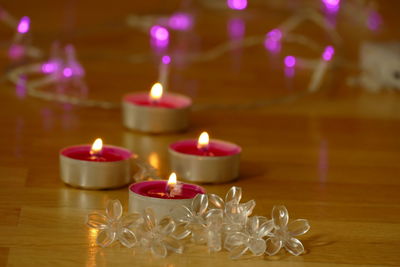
157, 112
205, 160
161, 195
95, 166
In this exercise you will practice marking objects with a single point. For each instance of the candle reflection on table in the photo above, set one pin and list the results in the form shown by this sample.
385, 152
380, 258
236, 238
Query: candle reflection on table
151, 148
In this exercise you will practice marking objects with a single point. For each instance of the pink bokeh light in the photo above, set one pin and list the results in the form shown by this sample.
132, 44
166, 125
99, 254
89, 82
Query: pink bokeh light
159, 33
328, 53
332, 6
290, 61
237, 4
24, 24
166, 60
49, 67
273, 40
180, 21
236, 28
67, 72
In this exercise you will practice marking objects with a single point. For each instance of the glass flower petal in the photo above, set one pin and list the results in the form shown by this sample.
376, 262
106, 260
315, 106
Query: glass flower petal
216, 200
234, 194
234, 240
294, 246
200, 204
265, 229
182, 214
238, 252
158, 249
273, 246
105, 238
257, 246
174, 245
181, 231
114, 209
298, 227
280, 216
167, 225
149, 219
130, 220
127, 237
248, 207
96, 220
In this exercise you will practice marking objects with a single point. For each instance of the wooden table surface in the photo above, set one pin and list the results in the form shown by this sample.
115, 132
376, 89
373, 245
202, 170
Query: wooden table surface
331, 157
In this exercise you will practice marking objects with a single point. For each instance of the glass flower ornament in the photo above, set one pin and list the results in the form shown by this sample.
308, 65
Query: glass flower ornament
235, 213
284, 233
214, 222
192, 221
113, 226
156, 235
252, 238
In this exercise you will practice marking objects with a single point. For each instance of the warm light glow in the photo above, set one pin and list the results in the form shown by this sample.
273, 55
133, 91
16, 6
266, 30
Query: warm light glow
203, 141
96, 147
172, 180
154, 160
156, 92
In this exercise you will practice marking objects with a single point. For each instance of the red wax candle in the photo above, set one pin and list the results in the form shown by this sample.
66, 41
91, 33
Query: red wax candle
166, 101
108, 153
166, 113
101, 168
158, 189
153, 194
204, 160
215, 148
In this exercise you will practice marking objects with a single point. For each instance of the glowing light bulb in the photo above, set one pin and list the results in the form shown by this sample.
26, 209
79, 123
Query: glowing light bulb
203, 141
156, 92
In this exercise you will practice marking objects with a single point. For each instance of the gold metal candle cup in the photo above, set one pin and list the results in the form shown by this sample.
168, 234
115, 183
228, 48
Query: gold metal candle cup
94, 174
161, 207
151, 119
206, 169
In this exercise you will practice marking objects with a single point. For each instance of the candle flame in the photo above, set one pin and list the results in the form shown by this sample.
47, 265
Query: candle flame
172, 180
203, 141
96, 147
173, 187
156, 92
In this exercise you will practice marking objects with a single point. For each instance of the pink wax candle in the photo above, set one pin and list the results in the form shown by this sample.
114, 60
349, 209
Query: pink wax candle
204, 160
96, 166
157, 195
156, 112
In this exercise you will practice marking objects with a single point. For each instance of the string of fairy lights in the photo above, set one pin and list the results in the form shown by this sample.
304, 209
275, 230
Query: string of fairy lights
63, 69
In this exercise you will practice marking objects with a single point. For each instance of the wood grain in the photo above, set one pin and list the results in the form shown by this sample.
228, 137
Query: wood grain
331, 157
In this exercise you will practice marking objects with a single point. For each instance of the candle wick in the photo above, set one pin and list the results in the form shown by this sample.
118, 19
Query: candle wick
154, 101
205, 150
95, 154
173, 190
